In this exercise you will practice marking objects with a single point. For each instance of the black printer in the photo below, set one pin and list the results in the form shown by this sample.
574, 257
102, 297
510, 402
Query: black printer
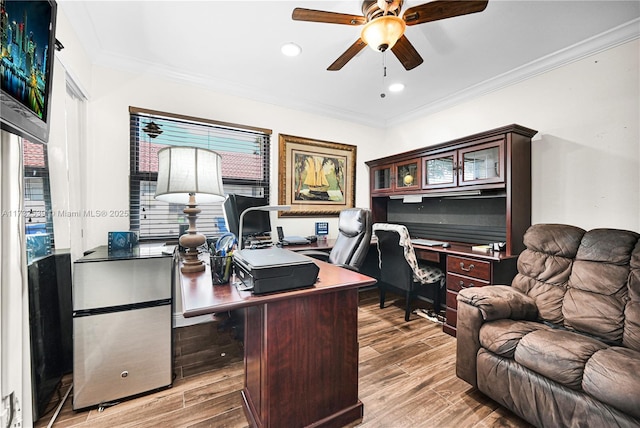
267, 270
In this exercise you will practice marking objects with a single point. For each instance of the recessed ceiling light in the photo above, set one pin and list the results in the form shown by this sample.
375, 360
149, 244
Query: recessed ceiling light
291, 49
396, 87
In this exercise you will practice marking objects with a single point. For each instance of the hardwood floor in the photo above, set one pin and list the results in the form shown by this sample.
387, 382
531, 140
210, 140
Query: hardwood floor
406, 379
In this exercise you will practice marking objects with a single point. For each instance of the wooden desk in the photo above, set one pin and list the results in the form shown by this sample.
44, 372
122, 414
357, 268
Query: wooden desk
467, 268
326, 245
301, 347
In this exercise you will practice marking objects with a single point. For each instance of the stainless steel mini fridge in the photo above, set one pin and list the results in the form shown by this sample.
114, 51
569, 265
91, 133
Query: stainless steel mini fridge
122, 318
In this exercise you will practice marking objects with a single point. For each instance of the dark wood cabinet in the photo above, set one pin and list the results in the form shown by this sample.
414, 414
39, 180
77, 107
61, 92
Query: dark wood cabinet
396, 177
469, 271
473, 190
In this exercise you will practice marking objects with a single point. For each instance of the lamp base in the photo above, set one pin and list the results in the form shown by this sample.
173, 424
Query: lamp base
191, 262
190, 266
192, 239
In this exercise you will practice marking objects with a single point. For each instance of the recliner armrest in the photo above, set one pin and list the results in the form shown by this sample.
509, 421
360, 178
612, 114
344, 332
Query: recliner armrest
500, 301
478, 305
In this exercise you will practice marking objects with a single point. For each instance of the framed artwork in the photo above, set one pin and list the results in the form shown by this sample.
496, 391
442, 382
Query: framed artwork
317, 178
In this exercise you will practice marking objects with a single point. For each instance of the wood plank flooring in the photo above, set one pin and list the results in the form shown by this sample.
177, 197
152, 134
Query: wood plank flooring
406, 379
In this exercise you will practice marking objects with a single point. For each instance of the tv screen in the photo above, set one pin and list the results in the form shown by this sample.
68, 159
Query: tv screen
255, 223
27, 36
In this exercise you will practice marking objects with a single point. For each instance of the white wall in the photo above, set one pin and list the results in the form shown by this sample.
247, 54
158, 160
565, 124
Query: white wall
112, 92
586, 155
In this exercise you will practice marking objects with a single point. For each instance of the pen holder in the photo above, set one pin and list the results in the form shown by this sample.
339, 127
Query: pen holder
221, 269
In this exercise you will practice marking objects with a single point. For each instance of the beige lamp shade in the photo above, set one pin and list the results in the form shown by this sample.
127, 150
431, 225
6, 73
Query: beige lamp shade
189, 170
383, 32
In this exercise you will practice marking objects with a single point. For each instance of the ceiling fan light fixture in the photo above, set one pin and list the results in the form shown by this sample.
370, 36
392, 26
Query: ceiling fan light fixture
396, 87
383, 32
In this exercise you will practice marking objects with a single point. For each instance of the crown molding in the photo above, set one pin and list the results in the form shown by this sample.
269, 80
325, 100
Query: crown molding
606, 40
591, 46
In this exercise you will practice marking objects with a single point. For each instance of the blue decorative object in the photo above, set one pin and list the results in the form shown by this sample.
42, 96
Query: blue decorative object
119, 241
322, 228
38, 245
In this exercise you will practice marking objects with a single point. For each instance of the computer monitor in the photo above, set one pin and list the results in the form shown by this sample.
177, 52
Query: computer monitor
255, 223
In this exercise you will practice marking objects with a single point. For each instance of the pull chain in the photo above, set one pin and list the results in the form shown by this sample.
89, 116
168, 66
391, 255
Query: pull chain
384, 73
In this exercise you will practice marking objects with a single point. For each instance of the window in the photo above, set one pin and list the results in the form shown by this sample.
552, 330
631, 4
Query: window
37, 197
245, 168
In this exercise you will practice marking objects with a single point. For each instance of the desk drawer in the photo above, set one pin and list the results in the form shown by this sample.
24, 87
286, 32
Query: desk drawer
452, 317
458, 282
430, 256
469, 267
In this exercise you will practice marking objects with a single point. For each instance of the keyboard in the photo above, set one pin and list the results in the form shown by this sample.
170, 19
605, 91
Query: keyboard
426, 242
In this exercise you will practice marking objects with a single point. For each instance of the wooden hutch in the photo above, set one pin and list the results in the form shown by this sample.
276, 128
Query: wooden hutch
469, 191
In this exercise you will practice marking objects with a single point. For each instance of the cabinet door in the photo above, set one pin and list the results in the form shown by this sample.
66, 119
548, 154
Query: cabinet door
407, 175
439, 170
482, 164
381, 178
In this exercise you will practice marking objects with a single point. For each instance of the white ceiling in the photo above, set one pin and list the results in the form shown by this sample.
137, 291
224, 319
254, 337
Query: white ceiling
234, 47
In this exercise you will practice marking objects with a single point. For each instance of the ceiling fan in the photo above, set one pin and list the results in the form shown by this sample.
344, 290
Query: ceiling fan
384, 25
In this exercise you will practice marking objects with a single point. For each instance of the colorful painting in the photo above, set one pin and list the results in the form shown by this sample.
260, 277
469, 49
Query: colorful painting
317, 178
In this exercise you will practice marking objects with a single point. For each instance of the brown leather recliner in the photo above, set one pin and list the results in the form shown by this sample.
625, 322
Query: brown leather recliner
560, 347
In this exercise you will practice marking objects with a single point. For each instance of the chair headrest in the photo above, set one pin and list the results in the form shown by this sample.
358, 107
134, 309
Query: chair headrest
352, 221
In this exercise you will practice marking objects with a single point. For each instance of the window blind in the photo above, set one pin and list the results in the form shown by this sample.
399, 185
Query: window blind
245, 168
37, 195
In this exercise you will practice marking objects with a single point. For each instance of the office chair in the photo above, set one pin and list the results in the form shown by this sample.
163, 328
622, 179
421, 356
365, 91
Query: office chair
353, 241
399, 268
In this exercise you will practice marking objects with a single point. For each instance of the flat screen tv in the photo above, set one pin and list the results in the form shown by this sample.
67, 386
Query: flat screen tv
256, 223
27, 36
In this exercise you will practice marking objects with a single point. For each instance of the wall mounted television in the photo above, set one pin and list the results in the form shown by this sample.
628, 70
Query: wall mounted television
27, 36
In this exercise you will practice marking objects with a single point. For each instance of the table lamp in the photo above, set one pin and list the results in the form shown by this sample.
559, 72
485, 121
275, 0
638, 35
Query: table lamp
261, 208
184, 175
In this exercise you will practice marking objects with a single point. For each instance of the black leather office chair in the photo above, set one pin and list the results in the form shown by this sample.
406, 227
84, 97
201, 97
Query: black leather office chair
353, 241
399, 268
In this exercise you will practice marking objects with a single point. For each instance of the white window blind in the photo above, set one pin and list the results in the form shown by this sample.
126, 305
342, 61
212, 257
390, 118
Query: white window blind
245, 168
37, 196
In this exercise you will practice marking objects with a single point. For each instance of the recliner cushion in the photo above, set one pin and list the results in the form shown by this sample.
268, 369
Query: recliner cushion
503, 336
612, 376
557, 354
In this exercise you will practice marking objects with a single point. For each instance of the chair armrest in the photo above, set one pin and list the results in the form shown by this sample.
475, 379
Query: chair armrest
478, 305
353, 268
316, 254
499, 301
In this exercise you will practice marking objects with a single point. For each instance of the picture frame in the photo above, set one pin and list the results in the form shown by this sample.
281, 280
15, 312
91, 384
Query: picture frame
315, 177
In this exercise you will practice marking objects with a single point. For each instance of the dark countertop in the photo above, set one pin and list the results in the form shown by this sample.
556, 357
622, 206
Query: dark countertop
141, 251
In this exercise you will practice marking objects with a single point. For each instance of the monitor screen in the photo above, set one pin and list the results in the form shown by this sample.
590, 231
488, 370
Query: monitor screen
255, 223
27, 33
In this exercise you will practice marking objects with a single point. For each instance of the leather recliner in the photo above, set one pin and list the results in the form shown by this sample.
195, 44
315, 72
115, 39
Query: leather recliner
560, 347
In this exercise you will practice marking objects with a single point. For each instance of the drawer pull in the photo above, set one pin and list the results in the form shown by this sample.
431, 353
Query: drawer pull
466, 286
471, 266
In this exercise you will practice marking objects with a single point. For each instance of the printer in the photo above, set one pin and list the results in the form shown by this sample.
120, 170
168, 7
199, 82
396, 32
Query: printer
268, 270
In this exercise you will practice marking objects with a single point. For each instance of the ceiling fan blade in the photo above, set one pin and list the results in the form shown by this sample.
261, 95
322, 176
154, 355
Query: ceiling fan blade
347, 55
406, 53
442, 9
301, 14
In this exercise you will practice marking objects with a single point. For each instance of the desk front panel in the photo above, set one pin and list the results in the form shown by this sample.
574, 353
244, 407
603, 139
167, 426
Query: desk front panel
301, 360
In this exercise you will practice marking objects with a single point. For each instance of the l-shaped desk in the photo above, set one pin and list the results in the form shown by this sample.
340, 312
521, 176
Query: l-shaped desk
301, 346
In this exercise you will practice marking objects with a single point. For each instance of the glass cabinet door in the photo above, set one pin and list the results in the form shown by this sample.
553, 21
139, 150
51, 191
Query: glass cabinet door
439, 170
381, 178
482, 164
408, 175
